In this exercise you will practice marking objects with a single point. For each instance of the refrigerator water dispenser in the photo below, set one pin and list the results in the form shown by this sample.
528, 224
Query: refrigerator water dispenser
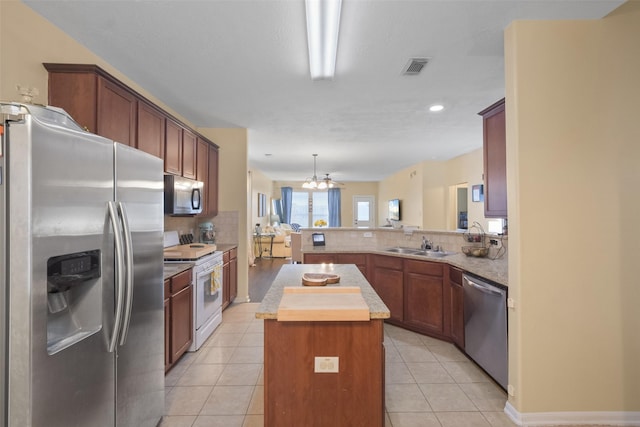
74, 299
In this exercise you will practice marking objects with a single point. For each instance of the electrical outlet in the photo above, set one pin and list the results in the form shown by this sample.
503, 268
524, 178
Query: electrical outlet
326, 365
368, 234
493, 242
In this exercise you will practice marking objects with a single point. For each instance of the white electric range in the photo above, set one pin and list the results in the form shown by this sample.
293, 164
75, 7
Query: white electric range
206, 280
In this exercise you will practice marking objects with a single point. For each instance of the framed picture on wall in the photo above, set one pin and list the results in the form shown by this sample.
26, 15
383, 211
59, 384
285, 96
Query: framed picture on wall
477, 193
262, 204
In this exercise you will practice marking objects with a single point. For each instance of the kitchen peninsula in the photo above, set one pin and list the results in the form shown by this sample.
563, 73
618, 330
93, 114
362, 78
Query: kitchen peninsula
298, 391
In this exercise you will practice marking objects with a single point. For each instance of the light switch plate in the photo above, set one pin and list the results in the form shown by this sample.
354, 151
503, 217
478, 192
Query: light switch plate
325, 365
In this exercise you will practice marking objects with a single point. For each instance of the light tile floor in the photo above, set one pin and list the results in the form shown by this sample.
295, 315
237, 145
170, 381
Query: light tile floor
429, 383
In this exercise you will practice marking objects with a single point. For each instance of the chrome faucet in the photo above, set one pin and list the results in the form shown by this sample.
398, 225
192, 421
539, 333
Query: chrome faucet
426, 243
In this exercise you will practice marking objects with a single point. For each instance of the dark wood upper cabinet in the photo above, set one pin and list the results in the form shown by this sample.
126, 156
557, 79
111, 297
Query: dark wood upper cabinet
104, 105
117, 110
211, 187
173, 149
202, 172
189, 149
495, 161
151, 130
96, 102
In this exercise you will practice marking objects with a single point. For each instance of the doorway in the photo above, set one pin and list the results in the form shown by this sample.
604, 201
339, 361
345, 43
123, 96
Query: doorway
364, 211
457, 217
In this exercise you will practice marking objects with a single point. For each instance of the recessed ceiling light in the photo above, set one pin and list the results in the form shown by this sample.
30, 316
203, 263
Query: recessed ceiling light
436, 108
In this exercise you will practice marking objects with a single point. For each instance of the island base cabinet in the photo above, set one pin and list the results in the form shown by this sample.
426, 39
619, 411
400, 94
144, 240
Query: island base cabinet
295, 395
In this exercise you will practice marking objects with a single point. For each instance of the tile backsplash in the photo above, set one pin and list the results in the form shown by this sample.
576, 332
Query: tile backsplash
226, 225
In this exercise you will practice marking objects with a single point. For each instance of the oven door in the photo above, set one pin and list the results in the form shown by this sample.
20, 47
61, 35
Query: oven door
209, 293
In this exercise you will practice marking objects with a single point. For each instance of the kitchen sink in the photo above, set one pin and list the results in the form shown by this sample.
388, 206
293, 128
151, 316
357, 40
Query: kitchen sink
406, 251
435, 254
420, 252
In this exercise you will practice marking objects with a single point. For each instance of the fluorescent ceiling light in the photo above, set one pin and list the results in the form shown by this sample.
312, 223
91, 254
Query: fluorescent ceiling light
323, 24
436, 108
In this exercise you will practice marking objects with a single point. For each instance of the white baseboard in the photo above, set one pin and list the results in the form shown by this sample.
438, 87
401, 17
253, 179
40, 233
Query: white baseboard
532, 419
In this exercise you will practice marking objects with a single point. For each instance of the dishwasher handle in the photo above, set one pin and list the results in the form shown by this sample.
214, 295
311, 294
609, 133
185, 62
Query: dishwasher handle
487, 289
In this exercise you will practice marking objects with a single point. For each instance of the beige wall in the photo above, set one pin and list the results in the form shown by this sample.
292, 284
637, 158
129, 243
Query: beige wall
260, 183
424, 189
572, 148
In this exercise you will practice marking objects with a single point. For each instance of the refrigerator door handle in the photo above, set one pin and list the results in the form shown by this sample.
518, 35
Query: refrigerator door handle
128, 245
119, 277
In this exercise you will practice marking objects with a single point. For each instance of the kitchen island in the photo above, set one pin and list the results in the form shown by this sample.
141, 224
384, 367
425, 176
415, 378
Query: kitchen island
296, 392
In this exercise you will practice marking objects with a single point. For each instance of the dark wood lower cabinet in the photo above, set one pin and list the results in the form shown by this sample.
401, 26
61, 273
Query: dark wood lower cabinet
295, 395
178, 311
229, 277
424, 296
181, 322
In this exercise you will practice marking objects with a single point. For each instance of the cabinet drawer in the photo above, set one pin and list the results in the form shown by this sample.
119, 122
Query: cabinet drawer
425, 267
180, 281
455, 275
394, 263
233, 253
225, 257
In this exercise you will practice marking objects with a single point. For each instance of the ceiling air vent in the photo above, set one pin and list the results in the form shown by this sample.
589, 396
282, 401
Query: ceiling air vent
414, 66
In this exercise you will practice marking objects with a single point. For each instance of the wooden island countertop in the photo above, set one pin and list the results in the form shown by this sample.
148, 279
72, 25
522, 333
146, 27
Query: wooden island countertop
291, 275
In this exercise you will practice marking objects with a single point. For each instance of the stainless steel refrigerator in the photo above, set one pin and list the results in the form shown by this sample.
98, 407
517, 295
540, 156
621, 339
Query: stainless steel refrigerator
81, 285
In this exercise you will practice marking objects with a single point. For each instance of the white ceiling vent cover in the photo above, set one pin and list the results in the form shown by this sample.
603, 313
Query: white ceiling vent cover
414, 66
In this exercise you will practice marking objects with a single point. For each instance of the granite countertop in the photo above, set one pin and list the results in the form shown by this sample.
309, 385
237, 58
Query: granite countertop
291, 275
224, 247
173, 268
495, 270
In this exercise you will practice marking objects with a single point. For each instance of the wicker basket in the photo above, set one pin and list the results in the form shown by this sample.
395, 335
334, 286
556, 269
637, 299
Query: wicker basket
475, 251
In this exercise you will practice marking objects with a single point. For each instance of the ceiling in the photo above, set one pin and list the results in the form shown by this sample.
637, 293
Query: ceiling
244, 64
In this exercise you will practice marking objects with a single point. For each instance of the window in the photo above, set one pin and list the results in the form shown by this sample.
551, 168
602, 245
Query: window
309, 206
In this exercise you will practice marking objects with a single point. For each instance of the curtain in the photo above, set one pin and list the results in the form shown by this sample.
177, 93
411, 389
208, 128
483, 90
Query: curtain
287, 196
334, 207
277, 209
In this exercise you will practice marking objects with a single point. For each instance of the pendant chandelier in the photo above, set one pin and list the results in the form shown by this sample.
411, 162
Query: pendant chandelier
314, 183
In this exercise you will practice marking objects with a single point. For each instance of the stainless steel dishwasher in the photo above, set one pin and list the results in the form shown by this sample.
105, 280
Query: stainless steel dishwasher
485, 327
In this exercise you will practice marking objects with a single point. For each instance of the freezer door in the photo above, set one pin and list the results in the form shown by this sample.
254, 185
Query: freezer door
140, 367
59, 181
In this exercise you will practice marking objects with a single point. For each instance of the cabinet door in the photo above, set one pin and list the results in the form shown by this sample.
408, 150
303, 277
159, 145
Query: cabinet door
226, 281
202, 172
457, 307
167, 324
424, 302
151, 129
117, 110
388, 284
233, 279
173, 148
189, 149
495, 161
181, 318
167, 334
212, 190
76, 93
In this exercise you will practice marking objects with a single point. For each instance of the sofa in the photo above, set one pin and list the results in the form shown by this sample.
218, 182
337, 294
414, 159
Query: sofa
281, 241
